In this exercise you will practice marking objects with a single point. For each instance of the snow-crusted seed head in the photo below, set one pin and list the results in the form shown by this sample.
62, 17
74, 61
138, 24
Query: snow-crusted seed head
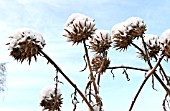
97, 108
100, 64
165, 41
51, 99
124, 33
25, 43
152, 45
101, 41
135, 26
78, 28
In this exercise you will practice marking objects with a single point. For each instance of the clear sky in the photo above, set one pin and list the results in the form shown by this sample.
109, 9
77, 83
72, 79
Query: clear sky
48, 17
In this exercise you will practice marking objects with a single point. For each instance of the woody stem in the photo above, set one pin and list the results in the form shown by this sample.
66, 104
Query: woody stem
91, 72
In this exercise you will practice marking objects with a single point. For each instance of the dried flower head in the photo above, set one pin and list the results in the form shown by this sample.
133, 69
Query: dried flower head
152, 45
124, 33
100, 64
101, 41
135, 26
25, 43
51, 99
79, 27
165, 42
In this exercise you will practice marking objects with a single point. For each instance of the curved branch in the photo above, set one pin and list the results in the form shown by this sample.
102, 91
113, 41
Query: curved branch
67, 78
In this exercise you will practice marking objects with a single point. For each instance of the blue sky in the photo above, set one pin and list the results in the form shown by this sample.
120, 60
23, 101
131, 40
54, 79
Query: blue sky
48, 17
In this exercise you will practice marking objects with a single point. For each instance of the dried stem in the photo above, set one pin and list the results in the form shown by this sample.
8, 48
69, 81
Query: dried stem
166, 77
147, 77
150, 65
137, 47
67, 78
164, 102
146, 52
100, 72
91, 72
128, 67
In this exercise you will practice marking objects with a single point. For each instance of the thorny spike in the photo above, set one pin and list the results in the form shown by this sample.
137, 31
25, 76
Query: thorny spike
67, 31
80, 25
85, 22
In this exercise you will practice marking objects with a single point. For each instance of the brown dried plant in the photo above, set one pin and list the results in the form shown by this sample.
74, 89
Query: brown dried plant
52, 104
24, 44
79, 28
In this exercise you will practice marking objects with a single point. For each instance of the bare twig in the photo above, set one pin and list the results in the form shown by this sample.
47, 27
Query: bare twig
74, 100
153, 83
164, 102
85, 65
128, 67
126, 74
67, 78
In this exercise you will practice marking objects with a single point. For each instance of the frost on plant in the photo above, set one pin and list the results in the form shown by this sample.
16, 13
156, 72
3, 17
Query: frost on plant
165, 41
51, 99
124, 33
97, 107
101, 41
25, 43
152, 44
78, 28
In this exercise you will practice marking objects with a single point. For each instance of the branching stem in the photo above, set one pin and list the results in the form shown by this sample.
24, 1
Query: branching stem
91, 72
67, 78
147, 77
128, 67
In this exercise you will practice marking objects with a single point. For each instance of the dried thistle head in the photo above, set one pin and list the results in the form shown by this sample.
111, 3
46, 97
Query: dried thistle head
165, 42
24, 44
152, 44
121, 43
136, 27
101, 41
51, 99
100, 64
124, 33
78, 28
